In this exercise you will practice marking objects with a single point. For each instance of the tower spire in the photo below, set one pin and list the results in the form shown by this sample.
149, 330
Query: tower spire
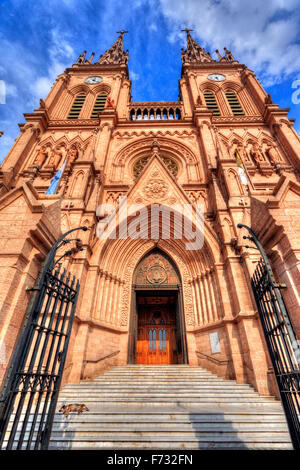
194, 53
115, 55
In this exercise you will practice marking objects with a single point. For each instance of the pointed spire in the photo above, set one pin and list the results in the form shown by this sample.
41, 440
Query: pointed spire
115, 55
194, 54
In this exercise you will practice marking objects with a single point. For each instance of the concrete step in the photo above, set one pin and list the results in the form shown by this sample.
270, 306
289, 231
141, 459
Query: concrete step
162, 391
166, 426
206, 441
167, 407
154, 395
158, 384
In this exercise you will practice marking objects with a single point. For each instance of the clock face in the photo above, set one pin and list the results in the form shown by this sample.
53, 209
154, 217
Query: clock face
216, 77
92, 80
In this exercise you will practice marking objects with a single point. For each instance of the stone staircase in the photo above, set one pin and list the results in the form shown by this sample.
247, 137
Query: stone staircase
168, 407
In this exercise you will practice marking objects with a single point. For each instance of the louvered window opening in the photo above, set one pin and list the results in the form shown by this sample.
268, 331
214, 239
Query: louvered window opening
211, 102
76, 107
99, 105
234, 103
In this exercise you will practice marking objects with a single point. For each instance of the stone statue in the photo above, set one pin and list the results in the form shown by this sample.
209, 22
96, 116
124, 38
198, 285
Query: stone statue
228, 55
109, 102
155, 148
199, 102
72, 155
56, 157
126, 57
241, 153
182, 55
256, 155
90, 59
81, 58
42, 104
273, 155
219, 55
41, 157
1, 133
268, 99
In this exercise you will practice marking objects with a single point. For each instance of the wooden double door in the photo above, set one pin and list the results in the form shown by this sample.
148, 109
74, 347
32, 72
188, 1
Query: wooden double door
156, 335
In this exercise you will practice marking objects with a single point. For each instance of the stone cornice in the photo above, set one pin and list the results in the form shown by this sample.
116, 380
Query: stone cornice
74, 123
223, 322
97, 68
209, 66
237, 120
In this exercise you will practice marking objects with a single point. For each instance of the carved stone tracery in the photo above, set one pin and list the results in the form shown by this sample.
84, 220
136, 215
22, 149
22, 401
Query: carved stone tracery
140, 164
185, 277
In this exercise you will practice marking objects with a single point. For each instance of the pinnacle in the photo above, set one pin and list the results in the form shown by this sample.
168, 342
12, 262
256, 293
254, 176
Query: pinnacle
195, 54
115, 55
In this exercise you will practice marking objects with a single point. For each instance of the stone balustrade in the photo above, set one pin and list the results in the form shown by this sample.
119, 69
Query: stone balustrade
155, 111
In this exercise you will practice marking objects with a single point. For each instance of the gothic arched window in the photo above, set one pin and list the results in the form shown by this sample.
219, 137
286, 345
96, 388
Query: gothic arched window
234, 103
162, 340
152, 340
211, 102
99, 105
77, 106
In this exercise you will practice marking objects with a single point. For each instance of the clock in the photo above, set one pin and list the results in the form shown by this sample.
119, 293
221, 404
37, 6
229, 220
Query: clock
216, 77
92, 80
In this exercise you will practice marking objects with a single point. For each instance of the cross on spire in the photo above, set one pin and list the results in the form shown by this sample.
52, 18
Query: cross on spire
187, 30
115, 54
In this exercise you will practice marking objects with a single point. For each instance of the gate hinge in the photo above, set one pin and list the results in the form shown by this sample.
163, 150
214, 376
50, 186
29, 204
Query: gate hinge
30, 289
280, 286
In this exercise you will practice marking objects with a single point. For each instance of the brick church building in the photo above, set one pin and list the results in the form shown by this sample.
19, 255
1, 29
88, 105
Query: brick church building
148, 300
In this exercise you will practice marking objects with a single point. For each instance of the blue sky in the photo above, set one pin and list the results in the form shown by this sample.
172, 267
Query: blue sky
39, 39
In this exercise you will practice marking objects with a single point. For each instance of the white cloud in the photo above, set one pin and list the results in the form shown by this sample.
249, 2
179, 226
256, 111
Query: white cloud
153, 27
42, 86
261, 35
134, 76
60, 52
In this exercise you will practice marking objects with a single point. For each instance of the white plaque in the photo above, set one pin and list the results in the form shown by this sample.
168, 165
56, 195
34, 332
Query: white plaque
214, 342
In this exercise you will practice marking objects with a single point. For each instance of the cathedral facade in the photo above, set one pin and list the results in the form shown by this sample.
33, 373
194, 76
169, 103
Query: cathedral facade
147, 299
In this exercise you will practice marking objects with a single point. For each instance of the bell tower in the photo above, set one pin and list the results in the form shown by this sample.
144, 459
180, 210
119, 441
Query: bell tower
223, 145
67, 132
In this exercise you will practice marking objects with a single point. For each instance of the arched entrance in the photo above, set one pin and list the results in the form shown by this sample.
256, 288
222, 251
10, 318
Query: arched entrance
157, 327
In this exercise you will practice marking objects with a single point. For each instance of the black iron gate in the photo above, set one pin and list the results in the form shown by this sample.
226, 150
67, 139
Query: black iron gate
30, 393
280, 338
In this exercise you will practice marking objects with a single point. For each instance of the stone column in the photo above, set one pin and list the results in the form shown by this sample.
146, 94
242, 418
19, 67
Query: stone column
102, 143
17, 155
56, 91
123, 101
97, 313
205, 305
116, 88
289, 140
207, 140
193, 88
186, 98
254, 87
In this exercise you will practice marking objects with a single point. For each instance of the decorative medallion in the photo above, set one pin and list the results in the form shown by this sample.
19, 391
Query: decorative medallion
156, 274
156, 189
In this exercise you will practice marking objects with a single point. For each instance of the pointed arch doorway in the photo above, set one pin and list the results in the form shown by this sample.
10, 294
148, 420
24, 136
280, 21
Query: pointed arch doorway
157, 326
